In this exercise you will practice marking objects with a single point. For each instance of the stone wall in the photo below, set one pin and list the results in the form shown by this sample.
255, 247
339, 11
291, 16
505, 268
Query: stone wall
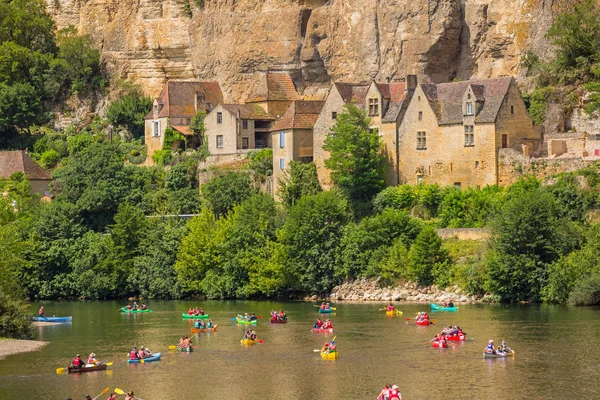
368, 290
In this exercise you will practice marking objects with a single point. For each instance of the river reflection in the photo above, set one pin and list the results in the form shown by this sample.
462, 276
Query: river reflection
555, 354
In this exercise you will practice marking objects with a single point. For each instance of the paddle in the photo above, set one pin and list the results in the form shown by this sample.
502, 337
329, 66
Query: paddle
119, 391
101, 393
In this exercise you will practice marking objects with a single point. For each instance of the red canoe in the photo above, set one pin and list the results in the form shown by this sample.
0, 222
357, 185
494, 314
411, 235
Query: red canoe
278, 321
456, 338
425, 322
439, 344
319, 330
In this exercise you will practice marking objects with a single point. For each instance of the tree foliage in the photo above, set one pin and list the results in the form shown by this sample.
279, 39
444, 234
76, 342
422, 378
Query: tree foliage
298, 180
129, 110
226, 190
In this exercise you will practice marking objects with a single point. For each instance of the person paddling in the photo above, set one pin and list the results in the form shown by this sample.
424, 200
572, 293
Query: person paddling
385, 393
490, 347
41, 312
92, 359
130, 396
133, 354
253, 317
318, 324
394, 393
113, 396
77, 361
503, 348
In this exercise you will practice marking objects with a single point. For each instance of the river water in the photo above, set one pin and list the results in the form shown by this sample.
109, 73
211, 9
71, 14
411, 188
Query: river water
556, 349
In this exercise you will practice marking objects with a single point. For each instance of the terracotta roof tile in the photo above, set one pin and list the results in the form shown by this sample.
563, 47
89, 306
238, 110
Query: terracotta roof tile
302, 114
248, 111
18, 161
183, 129
275, 86
178, 98
353, 92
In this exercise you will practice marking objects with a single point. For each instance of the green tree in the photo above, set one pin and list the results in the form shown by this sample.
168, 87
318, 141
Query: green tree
197, 124
429, 261
261, 162
82, 61
311, 237
356, 161
20, 106
226, 190
298, 180
130, 109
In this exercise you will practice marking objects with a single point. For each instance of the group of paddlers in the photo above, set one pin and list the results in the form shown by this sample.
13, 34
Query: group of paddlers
323, 325
278, 316
329, 347
250, 334
196, 311
140, 354
325, 306
422, 316
203, 325
135, 306
502, 350
389, 393
91, 361
247, 317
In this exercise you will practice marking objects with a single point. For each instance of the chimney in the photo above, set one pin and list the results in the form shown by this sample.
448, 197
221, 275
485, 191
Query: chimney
411, 82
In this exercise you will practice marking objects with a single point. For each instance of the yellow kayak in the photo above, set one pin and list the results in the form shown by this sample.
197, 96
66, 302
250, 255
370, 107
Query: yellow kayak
393, 312
329, 356
248, 342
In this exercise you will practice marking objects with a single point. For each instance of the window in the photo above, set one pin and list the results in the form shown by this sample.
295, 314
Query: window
245, 143
155, 128
512, 109
244, 124
219, 118
333, 115
420, 115
373, 106
419, 179
419, 98
281, 139
469, 96
504, 141
476, 164
421, 140
457, 185
469, 136
219, 141
282, 164
469, 108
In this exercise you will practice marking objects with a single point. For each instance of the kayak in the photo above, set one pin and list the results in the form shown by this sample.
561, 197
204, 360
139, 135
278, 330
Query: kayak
425, 322
52, 319
439, 344
440, 308
125, 310
248, 342
319, 330
327, 311
153, 357
188, 349
496, 355
200, 330
457, 338
246, 322
329, 356
76, 370
278, 321
393, 312
188, 316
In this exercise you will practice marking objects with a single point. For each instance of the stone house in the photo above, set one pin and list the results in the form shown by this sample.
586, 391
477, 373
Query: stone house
237, 128
384, 105
292, 137
451, 133
176, 105
19, 161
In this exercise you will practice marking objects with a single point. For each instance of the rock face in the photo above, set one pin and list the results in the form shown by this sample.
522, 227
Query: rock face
317, 41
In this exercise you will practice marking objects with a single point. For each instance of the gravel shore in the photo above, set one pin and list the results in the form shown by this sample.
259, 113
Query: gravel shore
9, 347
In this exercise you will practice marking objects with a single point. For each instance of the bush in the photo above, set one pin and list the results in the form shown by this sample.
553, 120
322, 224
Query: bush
163, 157
130, 109
538, 104
429, 261
14, 318
262, 162
297, 181
225, 191
49, 159
587, 291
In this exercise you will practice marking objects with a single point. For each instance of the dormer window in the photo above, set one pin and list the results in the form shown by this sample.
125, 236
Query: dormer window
469, 96
374, 106
469, 108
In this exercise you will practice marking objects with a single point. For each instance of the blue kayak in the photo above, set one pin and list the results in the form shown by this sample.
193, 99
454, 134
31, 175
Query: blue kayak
52, 319
325, 311
438, 308
153, 357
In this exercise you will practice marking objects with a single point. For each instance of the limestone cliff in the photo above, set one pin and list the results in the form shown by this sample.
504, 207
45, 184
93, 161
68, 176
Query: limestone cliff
317, 41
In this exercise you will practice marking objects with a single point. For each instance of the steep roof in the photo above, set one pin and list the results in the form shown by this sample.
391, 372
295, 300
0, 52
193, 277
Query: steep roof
446, 99
275, 86
178, 98
248, 111
394, 92
19, 161
353, 92
301, 114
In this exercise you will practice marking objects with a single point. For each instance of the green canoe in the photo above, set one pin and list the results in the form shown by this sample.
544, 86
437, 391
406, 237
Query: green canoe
187, 316
246, 322
125, 310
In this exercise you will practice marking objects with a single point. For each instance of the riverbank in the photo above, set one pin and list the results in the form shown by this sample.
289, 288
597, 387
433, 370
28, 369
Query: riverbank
368, 290
9, 347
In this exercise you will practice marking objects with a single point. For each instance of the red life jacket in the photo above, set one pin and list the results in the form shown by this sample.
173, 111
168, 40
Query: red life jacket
133, 355
77, 362
319, 323
394, 394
